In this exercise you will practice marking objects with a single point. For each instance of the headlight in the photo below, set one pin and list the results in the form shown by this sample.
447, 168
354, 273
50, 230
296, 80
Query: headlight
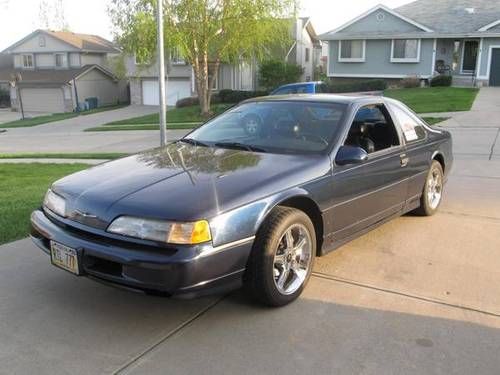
162, 231
55, 203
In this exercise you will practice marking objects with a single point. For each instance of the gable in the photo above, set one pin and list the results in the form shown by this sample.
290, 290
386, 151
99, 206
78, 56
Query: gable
32, 44
380, 22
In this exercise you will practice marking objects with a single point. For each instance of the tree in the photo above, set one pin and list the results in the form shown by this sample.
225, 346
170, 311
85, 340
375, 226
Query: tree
205, 32
274, 73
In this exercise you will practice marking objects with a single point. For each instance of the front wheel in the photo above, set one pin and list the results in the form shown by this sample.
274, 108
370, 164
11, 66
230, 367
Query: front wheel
282, 258
433, 191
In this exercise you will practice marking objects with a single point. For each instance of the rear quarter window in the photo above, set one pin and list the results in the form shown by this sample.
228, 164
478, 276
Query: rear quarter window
412, 130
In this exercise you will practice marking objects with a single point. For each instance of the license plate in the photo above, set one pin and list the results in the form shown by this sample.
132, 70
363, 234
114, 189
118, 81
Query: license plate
64, 257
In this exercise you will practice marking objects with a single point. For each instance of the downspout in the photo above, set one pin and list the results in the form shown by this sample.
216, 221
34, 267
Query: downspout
76, 96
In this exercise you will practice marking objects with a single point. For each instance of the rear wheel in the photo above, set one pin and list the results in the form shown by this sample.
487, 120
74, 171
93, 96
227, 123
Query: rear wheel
433, 191
282, 258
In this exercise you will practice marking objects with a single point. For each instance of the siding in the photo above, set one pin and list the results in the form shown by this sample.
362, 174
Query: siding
92, 58
51, 44
378, 55
389, 24
74, 60
151, 71
97, 84
44, 60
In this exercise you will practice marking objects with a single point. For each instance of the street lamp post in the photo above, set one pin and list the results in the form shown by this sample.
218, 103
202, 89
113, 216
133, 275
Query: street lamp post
161, 78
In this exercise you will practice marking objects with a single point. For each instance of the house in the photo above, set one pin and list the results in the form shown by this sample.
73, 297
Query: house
423, 38
143, 76
60, 69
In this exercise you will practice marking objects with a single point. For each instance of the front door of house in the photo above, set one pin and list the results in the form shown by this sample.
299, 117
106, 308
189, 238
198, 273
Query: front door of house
471, 48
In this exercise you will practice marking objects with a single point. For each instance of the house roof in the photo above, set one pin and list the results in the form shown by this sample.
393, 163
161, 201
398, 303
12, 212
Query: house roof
453, 16
50, 76
83, 42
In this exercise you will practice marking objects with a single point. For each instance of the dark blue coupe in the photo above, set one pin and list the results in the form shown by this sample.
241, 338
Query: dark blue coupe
231, 204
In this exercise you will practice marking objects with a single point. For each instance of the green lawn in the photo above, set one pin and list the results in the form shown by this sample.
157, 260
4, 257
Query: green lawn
434, 120
55, 155
22, 187
39, 120
175, 115
435, 99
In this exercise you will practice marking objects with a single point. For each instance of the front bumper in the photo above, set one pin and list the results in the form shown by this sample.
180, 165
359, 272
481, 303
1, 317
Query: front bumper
187, 271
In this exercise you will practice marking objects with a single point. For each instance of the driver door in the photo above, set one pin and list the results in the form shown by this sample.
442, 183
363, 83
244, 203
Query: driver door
366, 193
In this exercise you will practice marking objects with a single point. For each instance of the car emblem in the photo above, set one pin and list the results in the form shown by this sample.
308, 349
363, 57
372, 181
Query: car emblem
85, 214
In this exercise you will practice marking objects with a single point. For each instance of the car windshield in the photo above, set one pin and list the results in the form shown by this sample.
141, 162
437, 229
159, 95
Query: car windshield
273, 126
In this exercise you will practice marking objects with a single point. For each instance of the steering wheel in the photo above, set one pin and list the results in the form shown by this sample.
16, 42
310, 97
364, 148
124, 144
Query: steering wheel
314, 137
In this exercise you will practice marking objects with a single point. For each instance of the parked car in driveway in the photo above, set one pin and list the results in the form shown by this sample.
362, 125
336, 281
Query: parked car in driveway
302, 88
225, 207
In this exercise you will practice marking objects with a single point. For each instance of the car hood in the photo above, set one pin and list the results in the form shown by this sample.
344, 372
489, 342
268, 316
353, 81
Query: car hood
182, 182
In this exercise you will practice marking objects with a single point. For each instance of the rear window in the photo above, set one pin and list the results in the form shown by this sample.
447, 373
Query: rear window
303, 89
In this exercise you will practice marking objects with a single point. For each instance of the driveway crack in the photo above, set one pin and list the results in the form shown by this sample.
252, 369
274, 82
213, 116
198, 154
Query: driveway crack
494, 144
403, 294
136, 359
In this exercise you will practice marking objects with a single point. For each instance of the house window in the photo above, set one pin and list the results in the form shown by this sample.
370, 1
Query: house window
176, 58
308, 52
60, 60
405, 51
28, 61
41, 41
352, 50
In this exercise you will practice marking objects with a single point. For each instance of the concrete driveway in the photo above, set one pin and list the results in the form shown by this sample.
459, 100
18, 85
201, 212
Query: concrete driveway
415, 296
69, 136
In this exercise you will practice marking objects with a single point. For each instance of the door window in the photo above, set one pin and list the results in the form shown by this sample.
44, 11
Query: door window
373, 130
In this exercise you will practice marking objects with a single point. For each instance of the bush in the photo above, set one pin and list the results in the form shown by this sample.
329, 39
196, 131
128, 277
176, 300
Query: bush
441, 81
233, 96
410, 82
371, 85
275, 73
187, 102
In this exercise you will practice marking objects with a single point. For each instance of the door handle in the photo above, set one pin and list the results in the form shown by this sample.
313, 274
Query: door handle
404, 160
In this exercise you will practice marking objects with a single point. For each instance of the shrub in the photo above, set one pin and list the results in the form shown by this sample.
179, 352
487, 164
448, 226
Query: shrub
441, 80
187, 102
410, 82
233, 96
371, 85
275, 73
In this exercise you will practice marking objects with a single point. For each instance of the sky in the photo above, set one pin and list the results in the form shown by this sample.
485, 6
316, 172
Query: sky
20, 17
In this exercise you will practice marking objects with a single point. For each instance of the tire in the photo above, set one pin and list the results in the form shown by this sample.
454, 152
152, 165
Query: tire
432, 195
275, 275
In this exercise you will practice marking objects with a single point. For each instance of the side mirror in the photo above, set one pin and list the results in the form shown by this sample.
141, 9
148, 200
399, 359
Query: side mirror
350, 155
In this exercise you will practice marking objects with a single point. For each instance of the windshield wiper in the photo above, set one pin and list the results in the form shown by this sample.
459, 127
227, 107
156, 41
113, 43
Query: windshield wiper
239, 146
193, 142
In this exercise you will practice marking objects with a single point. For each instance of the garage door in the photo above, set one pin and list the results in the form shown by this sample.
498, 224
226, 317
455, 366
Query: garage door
42, 100
495, 67
175, 90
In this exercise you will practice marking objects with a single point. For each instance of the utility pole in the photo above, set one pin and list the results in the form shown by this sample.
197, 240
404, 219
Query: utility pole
161, 79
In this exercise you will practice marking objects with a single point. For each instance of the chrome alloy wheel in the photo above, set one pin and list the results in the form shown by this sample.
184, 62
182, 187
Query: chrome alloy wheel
434, 188
292, 259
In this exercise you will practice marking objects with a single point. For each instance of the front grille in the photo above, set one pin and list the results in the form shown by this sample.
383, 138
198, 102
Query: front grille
102, 266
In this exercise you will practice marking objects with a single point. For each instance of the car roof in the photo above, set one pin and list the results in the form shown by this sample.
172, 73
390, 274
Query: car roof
317, 98
299, 84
